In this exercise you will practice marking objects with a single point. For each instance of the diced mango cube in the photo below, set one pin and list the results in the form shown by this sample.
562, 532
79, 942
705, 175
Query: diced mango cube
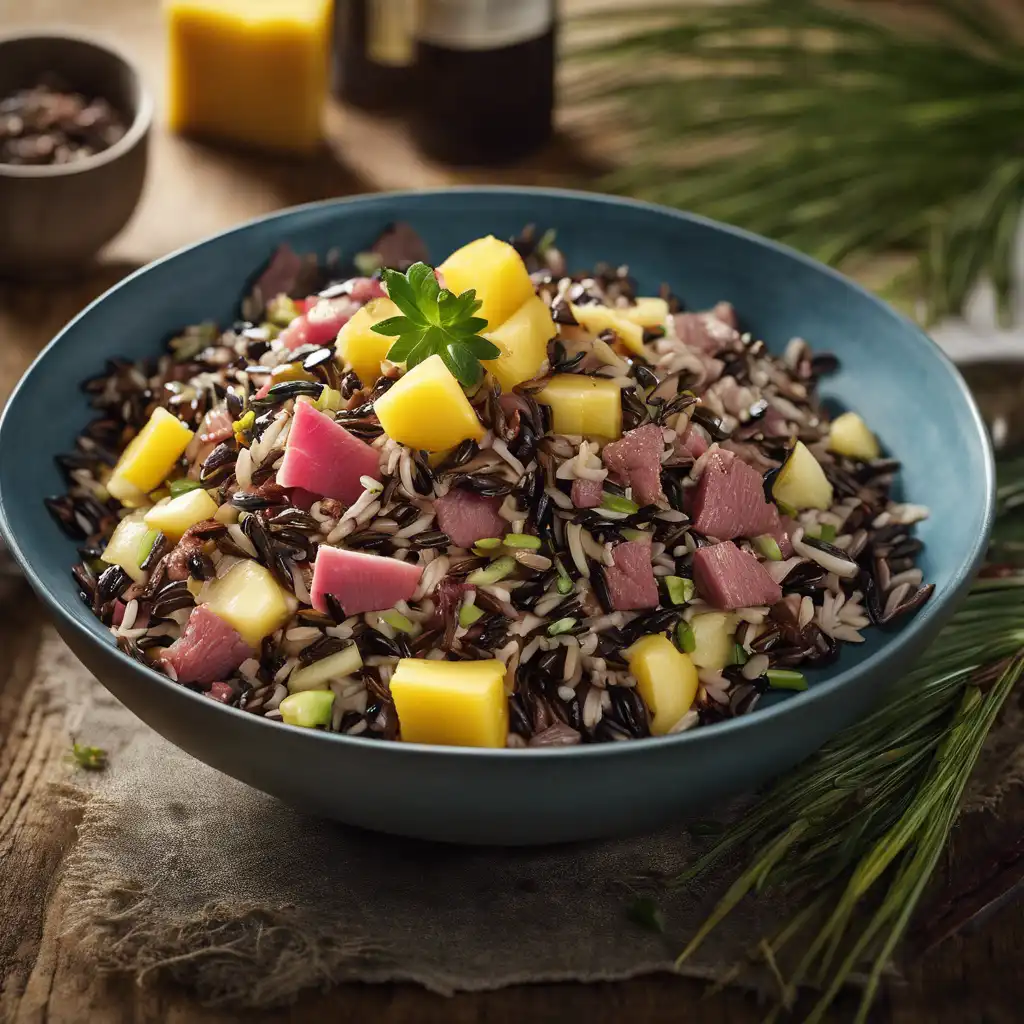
713, 640
596, 319
248, 598
249, 71
849, 435
591, 406
125, 545
801, 482
149, 457
361, 347
496, 271
174, 517
647, 312
666, 679
428, 409
451, 703
523, 339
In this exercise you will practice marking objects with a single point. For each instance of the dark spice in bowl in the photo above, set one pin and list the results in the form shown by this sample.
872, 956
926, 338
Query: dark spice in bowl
52, 124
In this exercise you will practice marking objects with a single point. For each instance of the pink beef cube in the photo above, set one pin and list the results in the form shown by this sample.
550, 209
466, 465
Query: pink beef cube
587, 493
221, 692
692, 441
730, 500
208, 650
467, 517
322, 457
636, 461
631, 583
729, 578
320, 325
361, 582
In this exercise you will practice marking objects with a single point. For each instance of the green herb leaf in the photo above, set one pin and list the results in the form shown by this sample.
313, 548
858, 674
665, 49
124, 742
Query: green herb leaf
644, 912
435, 322
92, 759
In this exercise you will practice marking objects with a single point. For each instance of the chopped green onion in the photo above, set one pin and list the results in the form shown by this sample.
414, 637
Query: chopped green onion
244, 422
396, 620
564, 585
92, 759
146, 544
639, 535
497, 570
787, 510
307, 708
183, 486
685, 639
739, 655
615, 503
565, 625
769, 547
827, 533
281, 310
680, 589
786, 679
488, 543
367, 263
545, 242
468, 614
522, 540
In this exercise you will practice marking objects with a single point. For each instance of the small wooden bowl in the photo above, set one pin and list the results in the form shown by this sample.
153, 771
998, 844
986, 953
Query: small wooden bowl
54, 218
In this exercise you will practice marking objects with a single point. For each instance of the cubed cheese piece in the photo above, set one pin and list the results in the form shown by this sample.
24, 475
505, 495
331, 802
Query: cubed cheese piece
849, 435
596, 319
317, 675
801, 482
496, 271
149, 457
249, 71
451, 703
125, 545
713, 640
666, 679
248, 598
591, 406
362, 348
647, 312
523, 339
427, 409
172, 518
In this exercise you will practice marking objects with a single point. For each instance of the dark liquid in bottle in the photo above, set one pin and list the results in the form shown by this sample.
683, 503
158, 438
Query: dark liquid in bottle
478, 107
359, 76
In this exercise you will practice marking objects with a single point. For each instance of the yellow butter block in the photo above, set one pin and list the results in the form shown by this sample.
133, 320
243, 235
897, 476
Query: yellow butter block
149, 458
249, 71
361, 347
451, 703
249, 600
523, 339
427, 409
591, 406
496, 271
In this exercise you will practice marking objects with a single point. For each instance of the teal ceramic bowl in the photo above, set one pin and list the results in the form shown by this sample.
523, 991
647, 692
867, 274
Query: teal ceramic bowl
906, 388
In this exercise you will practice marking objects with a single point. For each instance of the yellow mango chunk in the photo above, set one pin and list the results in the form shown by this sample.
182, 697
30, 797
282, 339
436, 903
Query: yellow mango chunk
249, 599
125, 545
647, 312
149, 458
801, 482
849, 435
496, 271
174, 517
713, 640
362, 348
428, 409
249, 71
590, 406
523, 339
596, 319
451, 703
666, 679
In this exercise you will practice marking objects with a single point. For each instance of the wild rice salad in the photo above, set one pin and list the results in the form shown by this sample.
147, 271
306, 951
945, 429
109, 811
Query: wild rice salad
563, 513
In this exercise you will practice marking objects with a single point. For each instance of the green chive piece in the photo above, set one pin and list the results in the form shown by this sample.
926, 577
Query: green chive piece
786, 679
488, 543
183, 486
545, 242
468, 614
564, 585
685, 639
367, 263
92, 759
146, 544
827, 533
769, 547
644, 912
497, 570
680, 589
561, 626
739, 655
244, 422
396, 620
281, 310
522, 540
307, 708
787, 510
639, 535
615, 503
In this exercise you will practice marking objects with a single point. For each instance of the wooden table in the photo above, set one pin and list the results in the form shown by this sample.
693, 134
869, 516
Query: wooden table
194, 191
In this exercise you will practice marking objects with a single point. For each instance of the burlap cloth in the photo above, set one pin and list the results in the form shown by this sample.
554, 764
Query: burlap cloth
181, 872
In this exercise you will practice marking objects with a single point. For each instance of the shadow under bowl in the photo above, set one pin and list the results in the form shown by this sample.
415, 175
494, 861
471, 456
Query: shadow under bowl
54, 218
896, 377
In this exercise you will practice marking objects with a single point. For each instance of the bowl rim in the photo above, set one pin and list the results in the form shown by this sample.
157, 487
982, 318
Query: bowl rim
137, 130
635, 748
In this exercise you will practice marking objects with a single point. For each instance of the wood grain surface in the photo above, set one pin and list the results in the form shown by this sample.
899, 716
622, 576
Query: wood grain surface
194, 191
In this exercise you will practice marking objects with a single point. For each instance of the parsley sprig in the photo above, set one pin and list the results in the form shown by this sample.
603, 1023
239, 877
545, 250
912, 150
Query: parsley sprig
435, 322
